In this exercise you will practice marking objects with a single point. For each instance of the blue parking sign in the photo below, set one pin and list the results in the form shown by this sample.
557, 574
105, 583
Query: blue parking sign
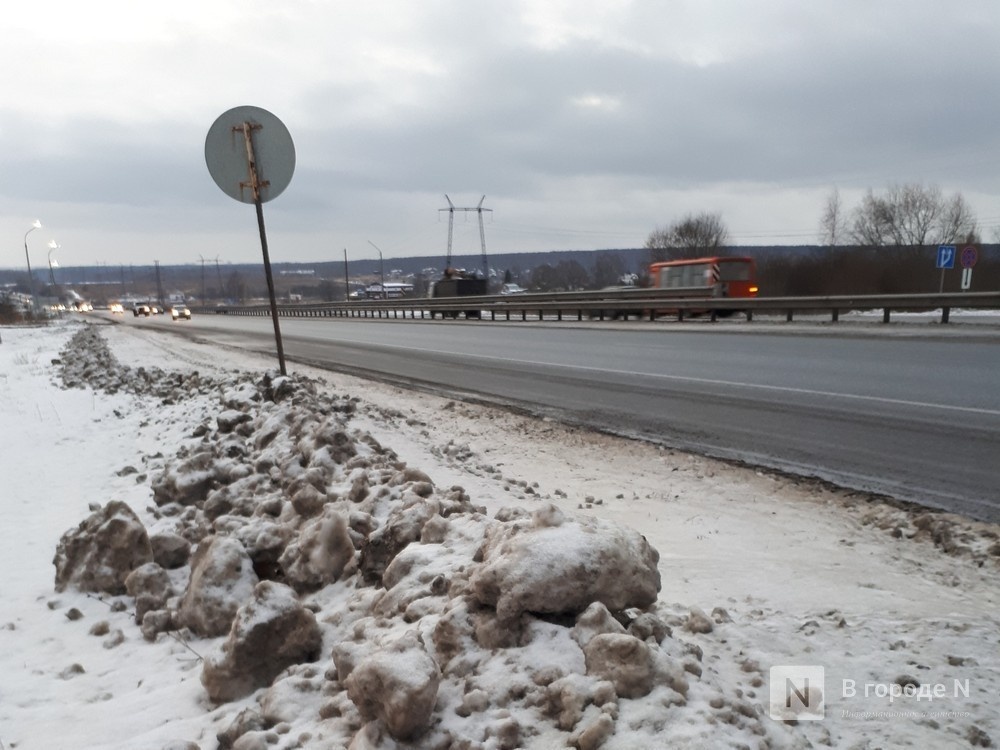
946, 256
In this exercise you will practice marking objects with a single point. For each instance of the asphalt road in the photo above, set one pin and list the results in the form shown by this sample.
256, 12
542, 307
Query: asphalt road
913, 416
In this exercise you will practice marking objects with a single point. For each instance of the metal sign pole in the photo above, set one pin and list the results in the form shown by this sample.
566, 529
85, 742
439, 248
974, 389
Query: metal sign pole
945, 260
242, 143
255, 186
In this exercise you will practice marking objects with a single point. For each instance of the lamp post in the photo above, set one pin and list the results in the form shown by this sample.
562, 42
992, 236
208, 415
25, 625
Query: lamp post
36, 224
381, 268
53, 245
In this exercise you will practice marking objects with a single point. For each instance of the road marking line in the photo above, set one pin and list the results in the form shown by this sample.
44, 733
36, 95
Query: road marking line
710, 381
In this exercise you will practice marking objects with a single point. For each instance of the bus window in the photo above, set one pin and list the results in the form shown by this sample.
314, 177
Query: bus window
734, 272
674, 276
697, 275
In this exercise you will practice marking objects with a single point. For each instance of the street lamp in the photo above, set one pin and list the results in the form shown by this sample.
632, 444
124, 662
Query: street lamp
53, 245
36, 224
381, 267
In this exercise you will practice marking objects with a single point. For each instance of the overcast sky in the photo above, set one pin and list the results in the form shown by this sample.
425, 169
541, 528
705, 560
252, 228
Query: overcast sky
585, 123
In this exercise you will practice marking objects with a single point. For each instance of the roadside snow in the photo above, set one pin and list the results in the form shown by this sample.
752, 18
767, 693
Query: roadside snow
789, 572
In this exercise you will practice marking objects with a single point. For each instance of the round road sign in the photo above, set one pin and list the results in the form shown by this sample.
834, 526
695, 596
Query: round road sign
969, 256
226, 153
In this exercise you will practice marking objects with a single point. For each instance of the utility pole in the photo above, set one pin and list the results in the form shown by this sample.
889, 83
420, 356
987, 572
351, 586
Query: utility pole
218, 272
452, 208
347, 278
381, 266
159, 284
31, 279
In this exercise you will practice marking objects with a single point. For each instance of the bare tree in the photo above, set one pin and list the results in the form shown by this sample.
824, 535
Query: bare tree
571, 275
690, 237
915, 212
236, 288
911, 215
566, 275
608, 269
957, 223
833, 225
870, 222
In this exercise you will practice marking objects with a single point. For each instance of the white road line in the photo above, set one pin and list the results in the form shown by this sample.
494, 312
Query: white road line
711, 381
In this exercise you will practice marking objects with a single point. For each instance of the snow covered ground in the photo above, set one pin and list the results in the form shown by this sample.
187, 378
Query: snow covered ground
898, 607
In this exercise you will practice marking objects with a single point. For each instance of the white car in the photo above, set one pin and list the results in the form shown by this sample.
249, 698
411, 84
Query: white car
180, 312
512, 289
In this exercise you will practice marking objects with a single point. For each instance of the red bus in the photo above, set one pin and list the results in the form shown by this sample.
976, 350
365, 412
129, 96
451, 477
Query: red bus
706, 277
734, 276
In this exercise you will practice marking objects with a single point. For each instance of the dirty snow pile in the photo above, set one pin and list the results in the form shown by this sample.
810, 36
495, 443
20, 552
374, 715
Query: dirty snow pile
339, 598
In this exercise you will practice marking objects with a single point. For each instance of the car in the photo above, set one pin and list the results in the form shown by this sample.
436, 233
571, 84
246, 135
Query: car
180, 312
512, 289
140, 308
117, 308
612, 313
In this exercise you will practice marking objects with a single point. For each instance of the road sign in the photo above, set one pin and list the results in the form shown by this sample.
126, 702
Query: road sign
251, 157
970, 254
966, 279
946, 256
226, 154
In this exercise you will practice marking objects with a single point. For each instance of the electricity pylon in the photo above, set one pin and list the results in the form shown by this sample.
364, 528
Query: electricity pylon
452, 208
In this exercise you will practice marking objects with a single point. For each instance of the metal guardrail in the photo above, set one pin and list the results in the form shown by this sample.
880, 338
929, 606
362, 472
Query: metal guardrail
643, 304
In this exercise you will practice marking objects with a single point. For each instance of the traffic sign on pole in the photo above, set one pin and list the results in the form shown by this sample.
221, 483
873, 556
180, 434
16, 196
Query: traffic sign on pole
970, 254
946, 256
250, 155
966, 279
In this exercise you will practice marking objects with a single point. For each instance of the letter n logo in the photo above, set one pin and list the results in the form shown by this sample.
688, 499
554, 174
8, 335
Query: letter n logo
797, 693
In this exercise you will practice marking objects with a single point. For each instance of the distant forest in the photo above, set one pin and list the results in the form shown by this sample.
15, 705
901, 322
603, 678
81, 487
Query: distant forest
782, 270
803, 270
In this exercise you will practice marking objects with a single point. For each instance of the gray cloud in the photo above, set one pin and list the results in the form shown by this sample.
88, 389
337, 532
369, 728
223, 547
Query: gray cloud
582, 130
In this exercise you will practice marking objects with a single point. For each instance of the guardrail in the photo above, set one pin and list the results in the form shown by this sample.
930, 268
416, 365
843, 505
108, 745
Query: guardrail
641, 303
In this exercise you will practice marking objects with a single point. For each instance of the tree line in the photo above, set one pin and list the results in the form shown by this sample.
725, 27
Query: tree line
883, 245
901, 216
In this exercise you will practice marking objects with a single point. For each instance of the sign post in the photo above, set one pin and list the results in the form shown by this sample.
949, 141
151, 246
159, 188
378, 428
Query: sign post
945, 260
251, 157
970, 254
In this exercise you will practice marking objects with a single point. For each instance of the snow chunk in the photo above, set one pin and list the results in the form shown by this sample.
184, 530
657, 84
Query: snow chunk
99, 554
170, 550
320, 554
398, 686
556, 565
222, 579
186, 481
623, 660
270, 633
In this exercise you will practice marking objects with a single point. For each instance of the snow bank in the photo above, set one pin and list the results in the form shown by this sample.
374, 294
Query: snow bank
756, 570
391, 612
